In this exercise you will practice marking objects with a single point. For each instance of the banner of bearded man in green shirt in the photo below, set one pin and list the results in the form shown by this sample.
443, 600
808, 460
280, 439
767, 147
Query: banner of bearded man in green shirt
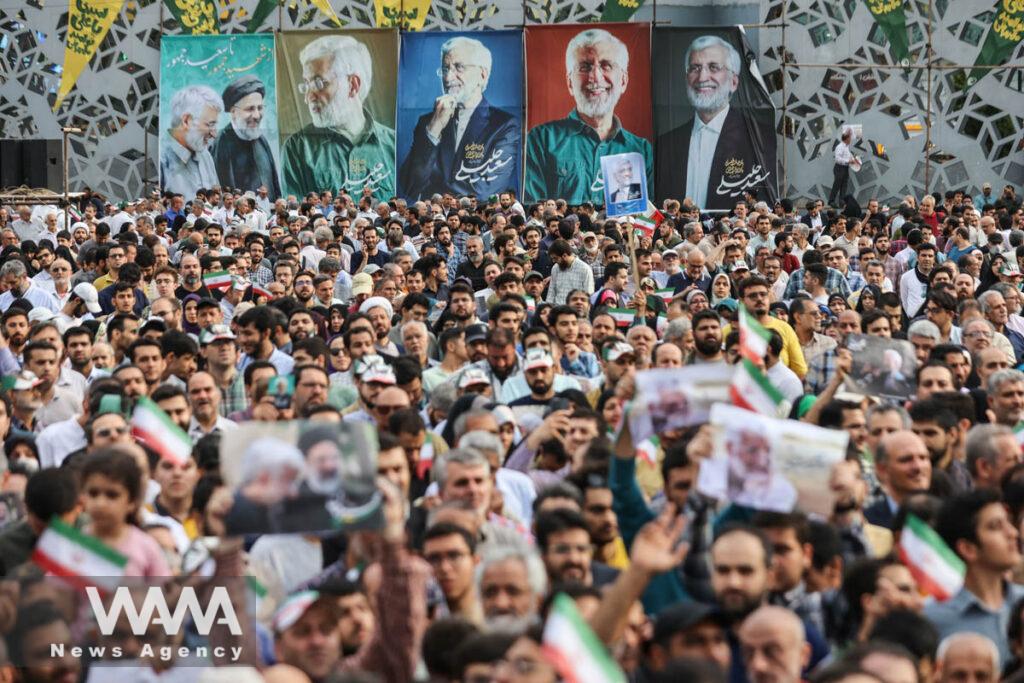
563, 156
349, 142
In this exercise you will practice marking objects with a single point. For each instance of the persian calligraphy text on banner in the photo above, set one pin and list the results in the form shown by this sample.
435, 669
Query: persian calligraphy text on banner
88, 23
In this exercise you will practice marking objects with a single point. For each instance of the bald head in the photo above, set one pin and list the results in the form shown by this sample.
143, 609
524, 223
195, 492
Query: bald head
774, 645
967, 657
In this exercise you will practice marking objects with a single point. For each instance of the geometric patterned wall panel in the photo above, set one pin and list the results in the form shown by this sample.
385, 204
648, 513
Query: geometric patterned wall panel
976, 137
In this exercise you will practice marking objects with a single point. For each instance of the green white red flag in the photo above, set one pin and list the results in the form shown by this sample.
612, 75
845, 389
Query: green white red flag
574, 649
153, 428
219, 279
65, 551
751, 389
937, 569
644, 224
653, 214
753, 337
623, 316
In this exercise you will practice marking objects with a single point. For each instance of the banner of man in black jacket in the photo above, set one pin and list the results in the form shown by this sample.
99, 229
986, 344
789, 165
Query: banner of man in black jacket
713, 118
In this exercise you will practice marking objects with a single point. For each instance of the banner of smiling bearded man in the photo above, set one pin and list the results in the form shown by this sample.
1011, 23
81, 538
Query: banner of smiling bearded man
599, 105
337, 109
218, 119
714, 119
460, 114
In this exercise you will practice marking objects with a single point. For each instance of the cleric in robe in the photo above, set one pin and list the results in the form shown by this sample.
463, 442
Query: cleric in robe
242, 154
466, 145
723, 151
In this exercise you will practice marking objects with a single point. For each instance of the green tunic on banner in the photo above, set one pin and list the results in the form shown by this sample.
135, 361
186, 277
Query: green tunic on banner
563, 159
317, 158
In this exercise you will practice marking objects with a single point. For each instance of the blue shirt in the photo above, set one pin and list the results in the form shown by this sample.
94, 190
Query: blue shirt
965, 612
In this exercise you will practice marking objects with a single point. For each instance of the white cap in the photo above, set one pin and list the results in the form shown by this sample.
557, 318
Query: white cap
39, 314
88, 294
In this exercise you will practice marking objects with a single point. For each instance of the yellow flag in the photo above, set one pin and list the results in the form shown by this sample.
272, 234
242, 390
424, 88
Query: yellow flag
325, 7
88, 23
409, 15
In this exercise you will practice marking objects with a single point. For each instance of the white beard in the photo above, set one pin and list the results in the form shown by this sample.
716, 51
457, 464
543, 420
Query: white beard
595, 108
196, 141
341, 114
712, 102
246, 133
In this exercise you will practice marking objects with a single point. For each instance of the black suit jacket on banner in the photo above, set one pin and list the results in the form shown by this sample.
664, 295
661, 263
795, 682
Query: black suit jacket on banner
736, 167
487, 161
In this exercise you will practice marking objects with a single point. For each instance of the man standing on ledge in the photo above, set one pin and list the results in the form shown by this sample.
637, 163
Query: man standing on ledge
563, 157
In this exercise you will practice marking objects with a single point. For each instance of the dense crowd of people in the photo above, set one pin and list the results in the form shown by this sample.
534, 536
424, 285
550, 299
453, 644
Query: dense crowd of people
494, 347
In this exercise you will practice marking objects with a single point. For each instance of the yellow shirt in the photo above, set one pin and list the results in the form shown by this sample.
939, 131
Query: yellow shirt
792, 355
614, 554
102, 282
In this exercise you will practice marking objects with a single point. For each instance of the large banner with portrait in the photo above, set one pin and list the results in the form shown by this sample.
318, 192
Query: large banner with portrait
599, 104
337, 111
460, 114
714, 119
218, 119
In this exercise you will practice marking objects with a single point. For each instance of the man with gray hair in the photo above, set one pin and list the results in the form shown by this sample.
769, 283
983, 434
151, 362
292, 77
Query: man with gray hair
343, 146
992, 450
511, 582
966, 656
723, 152
186, 164
465, 145
597, 73
1005, 390
18, 285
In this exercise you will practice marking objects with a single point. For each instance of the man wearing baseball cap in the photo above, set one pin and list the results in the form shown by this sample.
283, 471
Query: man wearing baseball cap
218, 346
83, 304
539, 369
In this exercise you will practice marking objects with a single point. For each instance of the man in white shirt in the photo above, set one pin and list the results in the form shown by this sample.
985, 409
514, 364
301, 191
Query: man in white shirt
26, 227
841, 170
16, 281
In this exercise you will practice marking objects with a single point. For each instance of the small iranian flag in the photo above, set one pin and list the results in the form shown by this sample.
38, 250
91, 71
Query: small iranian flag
751, 389
574, 649
666, 294
623, 316
152, 428
753, 337
64, 551
934, 565
653, 214
259, 290
220, 279
648, 450
644, 224
661, 324
531, 304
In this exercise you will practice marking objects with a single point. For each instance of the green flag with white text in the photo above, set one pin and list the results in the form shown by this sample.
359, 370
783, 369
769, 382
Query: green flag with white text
1006, 31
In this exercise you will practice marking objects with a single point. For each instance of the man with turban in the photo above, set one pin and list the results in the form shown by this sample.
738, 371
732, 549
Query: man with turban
242, 154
